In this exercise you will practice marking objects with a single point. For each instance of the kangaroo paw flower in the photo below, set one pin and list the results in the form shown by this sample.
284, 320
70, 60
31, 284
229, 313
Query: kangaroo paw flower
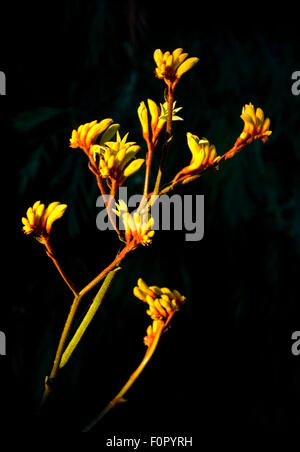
138, 226
162, 303
256, 127
39, 220
116, 159
255, 124
87, 134
171, 66
203, 155
159, 117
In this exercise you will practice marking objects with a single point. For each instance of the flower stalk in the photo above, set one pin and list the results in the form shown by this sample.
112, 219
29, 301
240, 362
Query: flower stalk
69, 322
51, 254
163, 303
108, 204
88, 317
119, 398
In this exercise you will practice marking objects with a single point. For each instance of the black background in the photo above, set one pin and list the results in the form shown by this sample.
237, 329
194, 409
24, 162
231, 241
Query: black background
226, 363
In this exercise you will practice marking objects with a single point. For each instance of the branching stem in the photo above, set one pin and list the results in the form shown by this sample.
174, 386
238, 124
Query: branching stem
69, 322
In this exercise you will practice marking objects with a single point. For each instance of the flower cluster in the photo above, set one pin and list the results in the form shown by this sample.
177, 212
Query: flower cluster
255, 124
39, 220
256, 127
171, 66
158, 116
162, 303
138, 226
87, 134
203, 155
117, 159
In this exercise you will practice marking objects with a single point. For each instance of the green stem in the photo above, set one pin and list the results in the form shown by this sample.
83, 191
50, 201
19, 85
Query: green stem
88, 317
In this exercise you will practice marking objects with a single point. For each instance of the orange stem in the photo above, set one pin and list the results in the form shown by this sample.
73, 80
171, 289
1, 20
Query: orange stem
108, 204
119, 398
51, 254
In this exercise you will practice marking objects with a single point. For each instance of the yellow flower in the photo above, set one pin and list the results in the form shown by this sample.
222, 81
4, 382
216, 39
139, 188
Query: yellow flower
155, 114
138, 226
171, 66
203, 155
162, 301
116, 158
143, 117
38, 220
86, 135
255, 124
151, 332
158, 115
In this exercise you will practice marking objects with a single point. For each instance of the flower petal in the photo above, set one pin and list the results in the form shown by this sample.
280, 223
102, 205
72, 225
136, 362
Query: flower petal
54, 215
158, 57
186, 66
133, 167
96, 129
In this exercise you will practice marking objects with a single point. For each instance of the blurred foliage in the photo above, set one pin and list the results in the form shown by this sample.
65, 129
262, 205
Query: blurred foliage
90, 60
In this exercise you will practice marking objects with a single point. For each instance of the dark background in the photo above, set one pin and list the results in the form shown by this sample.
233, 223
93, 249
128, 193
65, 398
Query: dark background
226, 363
